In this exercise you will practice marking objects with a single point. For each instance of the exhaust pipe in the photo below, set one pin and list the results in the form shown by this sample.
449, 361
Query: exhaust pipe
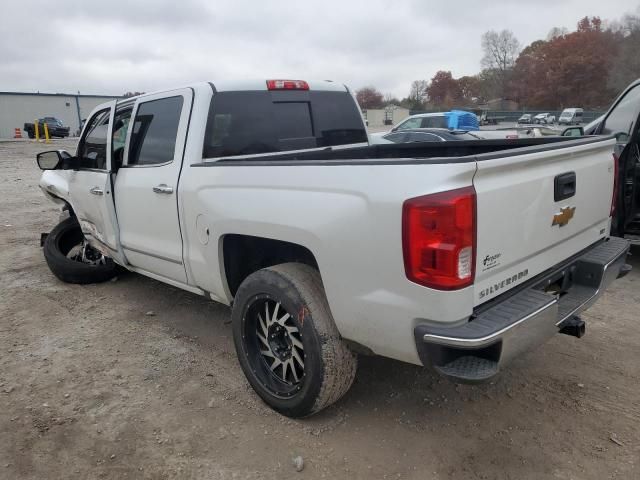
574, 326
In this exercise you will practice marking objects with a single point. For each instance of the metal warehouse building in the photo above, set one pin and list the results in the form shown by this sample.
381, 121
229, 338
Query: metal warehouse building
18, 108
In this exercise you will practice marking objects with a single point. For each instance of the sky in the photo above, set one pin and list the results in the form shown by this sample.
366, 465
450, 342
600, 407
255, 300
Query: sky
115, 46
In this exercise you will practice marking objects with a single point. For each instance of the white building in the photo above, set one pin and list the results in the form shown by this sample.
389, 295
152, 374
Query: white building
389, 115
18, 108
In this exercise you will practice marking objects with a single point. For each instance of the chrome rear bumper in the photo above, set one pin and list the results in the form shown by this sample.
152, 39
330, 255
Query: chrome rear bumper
516, 322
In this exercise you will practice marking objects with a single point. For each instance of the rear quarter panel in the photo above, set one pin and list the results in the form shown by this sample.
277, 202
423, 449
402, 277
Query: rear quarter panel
349, 217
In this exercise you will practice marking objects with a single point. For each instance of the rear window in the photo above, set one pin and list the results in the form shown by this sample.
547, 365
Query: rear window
254, 122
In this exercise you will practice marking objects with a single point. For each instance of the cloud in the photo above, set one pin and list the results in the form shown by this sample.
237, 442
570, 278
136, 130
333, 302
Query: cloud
117, 46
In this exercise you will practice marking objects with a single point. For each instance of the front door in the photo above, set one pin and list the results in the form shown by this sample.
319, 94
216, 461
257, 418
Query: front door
90, 186
146, 185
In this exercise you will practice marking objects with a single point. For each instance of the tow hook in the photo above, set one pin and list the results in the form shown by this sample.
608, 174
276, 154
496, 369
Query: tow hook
573, 326
43, 238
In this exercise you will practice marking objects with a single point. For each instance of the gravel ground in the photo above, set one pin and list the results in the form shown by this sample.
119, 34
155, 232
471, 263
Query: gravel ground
136, 379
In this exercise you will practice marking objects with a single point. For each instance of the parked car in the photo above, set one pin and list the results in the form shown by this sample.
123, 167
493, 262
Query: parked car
55, 127
453, 120
571, 116
526, 118
622, 120
544, 119
444, 135
327, 247
426, 135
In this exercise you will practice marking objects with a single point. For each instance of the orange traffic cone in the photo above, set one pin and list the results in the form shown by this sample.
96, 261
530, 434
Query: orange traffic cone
17, 133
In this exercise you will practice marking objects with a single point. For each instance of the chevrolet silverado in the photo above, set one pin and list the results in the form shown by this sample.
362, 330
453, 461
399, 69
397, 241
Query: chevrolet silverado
266, 196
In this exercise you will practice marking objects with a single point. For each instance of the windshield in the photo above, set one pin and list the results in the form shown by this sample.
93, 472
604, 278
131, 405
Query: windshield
254, 122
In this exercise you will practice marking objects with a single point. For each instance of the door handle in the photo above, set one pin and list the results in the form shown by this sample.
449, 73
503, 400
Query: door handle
96, 191
163, 188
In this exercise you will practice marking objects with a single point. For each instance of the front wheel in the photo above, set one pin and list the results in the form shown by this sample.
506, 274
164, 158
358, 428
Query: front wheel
72, 259
287, 342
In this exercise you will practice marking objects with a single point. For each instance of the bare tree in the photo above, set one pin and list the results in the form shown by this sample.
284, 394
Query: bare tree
556, 32
418, 92
390, 99
500, 52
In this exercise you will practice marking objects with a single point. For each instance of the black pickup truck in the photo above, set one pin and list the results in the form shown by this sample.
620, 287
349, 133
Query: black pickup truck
55, 127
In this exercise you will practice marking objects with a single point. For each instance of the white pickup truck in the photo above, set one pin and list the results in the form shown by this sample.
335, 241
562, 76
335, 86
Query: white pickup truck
266, 196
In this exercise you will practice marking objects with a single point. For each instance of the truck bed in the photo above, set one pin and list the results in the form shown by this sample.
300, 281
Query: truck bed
425, 152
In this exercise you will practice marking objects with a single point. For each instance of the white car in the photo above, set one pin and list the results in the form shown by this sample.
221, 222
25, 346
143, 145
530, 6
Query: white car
544, 118
571, 116
266, 196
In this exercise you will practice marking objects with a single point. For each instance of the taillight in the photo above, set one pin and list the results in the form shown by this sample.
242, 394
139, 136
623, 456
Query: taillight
287, 85
615, 185
439, 239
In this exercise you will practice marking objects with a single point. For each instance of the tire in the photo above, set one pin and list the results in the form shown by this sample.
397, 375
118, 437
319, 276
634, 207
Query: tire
31, 135
328, 366
62, 239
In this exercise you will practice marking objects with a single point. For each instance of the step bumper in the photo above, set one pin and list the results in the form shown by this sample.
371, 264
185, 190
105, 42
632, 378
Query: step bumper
517, 322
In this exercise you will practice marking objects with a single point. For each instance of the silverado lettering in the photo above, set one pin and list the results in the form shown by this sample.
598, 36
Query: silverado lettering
504, 283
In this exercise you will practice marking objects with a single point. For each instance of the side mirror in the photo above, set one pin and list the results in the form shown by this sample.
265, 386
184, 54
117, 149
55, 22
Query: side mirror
394, 129
573, 132
53, 159
622, 137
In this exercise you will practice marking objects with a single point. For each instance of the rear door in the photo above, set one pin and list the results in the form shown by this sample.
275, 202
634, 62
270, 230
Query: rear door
539, 209
90, 186
146, 186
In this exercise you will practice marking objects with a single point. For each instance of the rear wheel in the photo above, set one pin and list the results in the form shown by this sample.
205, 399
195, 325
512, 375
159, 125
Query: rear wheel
72, 259
287, 343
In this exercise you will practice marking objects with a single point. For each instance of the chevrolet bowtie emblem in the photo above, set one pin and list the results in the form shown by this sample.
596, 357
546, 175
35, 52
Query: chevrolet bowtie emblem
563, 216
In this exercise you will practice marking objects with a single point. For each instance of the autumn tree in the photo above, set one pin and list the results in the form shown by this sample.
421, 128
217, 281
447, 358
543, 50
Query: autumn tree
567, 71
444, 90
500, 53
369, 97
471, 89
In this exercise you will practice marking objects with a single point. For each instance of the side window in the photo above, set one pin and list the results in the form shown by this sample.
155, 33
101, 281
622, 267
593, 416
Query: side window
155, 129
411, 123
92, 151
435, 122
624, 115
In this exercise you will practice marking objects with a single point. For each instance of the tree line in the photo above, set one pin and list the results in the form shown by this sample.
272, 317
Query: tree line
584, 68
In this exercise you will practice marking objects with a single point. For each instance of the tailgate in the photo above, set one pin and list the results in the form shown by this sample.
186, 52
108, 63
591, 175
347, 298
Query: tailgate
522, 230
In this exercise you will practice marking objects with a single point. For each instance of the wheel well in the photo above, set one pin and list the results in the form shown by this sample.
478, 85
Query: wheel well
245, 254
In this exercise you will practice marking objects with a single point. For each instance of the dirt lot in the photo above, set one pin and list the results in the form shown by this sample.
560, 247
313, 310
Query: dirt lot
135, 379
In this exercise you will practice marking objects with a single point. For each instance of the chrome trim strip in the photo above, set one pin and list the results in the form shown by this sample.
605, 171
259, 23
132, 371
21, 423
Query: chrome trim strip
478, 342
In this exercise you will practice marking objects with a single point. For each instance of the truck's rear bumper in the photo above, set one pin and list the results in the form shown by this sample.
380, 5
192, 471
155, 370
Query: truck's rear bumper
515, 322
